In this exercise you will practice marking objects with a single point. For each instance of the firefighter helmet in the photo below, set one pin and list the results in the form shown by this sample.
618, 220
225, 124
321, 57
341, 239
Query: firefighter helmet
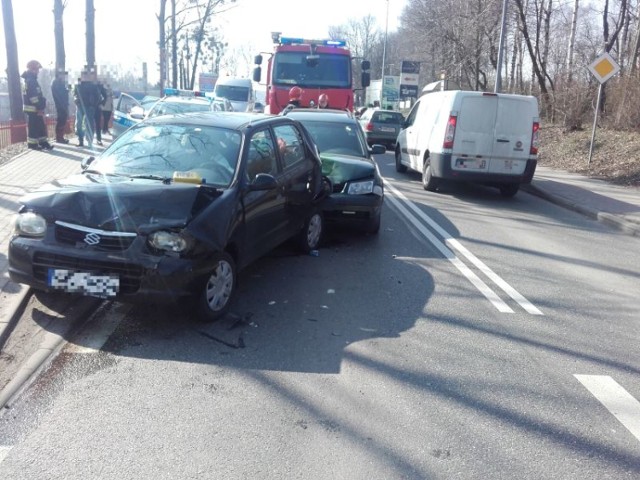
33, 65
295, 93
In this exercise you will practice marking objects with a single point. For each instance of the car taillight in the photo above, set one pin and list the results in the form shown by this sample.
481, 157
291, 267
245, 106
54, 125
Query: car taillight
450, 133
535, 138
369, 127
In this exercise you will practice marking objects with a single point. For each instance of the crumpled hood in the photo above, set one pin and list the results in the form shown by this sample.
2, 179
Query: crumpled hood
343, 168
118, 203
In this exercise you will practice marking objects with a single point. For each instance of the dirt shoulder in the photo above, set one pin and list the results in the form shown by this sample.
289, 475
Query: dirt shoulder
616, 154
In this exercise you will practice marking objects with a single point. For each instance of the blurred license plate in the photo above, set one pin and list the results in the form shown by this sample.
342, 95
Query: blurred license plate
470, 163
84, 282
387, 129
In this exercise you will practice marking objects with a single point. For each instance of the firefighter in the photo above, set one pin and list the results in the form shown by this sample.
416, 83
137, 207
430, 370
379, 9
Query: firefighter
294, 100
34, 104
60, 94
323, 101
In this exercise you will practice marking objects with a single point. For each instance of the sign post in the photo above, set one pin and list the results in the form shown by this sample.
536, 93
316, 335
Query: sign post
603, 68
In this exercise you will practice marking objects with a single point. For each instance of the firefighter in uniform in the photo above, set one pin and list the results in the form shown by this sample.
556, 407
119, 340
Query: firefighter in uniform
34, 104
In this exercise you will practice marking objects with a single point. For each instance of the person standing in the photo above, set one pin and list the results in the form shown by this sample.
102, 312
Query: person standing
60, 94
98, 112
34, 104
86, 96
107, 109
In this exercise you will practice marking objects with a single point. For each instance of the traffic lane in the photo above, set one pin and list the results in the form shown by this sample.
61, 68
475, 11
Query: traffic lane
581, 274
449, 390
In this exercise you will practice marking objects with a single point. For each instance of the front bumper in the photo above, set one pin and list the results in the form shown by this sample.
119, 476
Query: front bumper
352, 210
142, 276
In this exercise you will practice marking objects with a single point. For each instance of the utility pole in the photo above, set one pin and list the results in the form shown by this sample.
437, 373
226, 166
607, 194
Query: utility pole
503, 32
384, 55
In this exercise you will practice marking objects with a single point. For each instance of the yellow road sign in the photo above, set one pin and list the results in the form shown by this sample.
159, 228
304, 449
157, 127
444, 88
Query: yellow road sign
604, 67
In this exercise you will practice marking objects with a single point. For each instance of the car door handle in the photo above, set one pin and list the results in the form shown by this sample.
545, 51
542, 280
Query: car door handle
502, 140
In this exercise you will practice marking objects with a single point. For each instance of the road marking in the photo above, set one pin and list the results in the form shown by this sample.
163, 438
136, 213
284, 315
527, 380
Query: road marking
456, 245
95, 336
4, 451
449, 255
616, 399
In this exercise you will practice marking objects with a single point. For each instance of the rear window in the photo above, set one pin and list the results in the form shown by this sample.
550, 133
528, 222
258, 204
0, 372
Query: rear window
388, 117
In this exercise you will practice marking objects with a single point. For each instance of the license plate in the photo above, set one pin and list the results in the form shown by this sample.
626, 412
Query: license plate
84, 282
470, 163
387, 129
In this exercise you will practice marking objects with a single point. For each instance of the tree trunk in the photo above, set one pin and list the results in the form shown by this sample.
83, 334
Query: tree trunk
572, 41
174, 48
636, 46
162, 43
91, 33
13, 71
58, 32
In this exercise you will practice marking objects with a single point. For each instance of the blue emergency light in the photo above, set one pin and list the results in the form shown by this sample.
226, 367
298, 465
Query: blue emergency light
175, 92
303, 41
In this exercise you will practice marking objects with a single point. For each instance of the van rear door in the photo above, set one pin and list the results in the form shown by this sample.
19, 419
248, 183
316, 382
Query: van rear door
473, 143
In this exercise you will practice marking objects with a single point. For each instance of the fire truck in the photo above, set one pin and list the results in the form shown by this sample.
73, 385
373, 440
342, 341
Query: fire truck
316, 66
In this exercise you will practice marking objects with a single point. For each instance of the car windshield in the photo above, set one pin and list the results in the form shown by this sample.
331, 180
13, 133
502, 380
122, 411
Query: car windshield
232, 92
335, 137
173, 151
291, 68
174, 108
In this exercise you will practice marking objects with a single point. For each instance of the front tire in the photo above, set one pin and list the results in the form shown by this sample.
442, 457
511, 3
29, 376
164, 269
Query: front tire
429, 182
310, 236
399, 166
509, 190
218, 290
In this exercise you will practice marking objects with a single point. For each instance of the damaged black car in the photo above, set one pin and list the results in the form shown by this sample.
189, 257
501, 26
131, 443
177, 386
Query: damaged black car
174, 208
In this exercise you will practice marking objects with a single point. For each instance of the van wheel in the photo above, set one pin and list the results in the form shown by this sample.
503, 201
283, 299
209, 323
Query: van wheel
429, 182
399, 166
310, 236
509, 190
218, 290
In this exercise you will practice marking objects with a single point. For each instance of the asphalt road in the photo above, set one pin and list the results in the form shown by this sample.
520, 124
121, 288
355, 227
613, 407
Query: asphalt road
474, 337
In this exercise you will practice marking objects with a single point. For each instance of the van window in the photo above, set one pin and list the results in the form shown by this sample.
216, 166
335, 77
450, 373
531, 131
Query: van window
412, 115
232, 92
477, 114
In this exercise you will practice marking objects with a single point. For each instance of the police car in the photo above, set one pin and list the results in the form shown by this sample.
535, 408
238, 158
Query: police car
130, 111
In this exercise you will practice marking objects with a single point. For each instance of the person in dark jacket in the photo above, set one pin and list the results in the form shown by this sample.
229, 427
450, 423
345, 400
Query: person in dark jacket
60, 94
98, 115
86, 96
34, 104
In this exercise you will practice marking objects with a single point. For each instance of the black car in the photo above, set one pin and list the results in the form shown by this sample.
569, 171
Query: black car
382, 126
173, 208
357, 188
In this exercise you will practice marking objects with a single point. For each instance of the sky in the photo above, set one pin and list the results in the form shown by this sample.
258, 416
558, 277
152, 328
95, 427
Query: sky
127, 30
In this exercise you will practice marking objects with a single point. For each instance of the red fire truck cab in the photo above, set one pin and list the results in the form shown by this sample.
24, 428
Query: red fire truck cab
316, 66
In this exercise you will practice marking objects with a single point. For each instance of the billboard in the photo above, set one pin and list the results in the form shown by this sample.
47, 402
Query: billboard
207, 81
409, 79
390, 89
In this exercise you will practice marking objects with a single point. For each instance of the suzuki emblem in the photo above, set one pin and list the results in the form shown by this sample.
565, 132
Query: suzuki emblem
92, 239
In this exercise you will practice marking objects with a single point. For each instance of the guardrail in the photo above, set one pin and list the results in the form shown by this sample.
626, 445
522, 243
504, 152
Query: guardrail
11, 133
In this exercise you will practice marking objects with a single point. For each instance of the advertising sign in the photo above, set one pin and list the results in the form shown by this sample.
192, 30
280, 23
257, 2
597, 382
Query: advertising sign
207, 81
409, 79
410, 67
390, 89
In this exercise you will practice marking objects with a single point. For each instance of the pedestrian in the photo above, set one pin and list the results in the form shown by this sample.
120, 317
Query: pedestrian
107, 109
323, 101
60, 94
98, 112
34, 104
86, 96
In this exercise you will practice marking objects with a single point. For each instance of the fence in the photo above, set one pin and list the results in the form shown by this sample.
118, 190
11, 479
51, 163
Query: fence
17, 132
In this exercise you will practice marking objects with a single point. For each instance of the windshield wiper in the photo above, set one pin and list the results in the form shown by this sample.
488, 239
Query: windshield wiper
98, 172
161, 178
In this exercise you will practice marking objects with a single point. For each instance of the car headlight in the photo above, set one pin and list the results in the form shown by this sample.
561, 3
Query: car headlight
30, 224
360, 188
169, 241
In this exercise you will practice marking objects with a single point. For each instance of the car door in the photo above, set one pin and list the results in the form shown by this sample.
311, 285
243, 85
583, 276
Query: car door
300, 174
122, 119
408, 137
266, 216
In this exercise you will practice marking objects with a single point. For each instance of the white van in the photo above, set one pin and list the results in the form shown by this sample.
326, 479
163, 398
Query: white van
476, 137
239, 91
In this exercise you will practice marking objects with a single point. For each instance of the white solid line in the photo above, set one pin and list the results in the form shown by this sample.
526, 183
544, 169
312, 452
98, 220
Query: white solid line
4, 451
455, 244
616, 399
96, 335
449, 255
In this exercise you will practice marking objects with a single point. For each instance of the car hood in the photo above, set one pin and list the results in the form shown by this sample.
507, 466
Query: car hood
343, 168
119, 203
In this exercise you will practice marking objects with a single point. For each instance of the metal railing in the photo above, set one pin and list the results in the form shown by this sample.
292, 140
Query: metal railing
6, 127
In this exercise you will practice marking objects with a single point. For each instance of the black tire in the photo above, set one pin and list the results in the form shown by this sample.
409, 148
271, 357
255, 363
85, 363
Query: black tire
218, 290
399, 166
509, 190
429, 182
373, 227
310, 236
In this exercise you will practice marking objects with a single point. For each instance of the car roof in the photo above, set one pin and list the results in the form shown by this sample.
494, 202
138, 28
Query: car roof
317, 114
231, 120
184, 99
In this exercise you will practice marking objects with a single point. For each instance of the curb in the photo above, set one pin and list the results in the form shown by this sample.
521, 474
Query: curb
616, 221
15, 305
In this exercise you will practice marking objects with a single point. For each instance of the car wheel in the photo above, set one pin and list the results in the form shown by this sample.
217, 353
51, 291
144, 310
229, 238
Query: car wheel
509, 190
429, 182
219, 288
373, 227
310, 236
399, 166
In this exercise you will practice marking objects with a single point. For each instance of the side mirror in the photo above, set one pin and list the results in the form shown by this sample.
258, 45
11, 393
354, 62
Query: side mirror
257, 73
257, 59
365, 65
312, 60
84, 164
263, 181
377, 149
366, 79
137, 112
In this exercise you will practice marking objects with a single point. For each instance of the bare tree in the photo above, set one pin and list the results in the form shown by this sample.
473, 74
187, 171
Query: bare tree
572, 40
58, 32
162, 44
18, 130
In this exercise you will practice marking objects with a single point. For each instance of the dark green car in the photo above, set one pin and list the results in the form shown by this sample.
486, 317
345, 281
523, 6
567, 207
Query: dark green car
357, 188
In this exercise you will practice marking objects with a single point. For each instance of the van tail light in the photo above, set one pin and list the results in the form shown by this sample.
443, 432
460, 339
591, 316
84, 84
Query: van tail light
535, 138
450, 133
369, 127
